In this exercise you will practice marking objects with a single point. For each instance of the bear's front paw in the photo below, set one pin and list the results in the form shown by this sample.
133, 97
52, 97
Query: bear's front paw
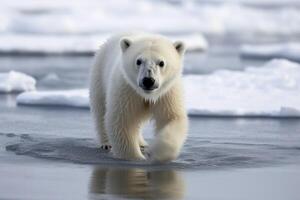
162, 152
105, 147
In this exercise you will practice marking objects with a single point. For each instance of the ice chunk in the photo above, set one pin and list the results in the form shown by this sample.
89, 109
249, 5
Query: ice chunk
272, 90
49, 78
269, 90
16, 82
74, 98
284, 50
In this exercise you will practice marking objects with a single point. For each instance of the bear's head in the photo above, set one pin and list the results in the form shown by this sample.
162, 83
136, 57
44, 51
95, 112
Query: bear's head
151, 64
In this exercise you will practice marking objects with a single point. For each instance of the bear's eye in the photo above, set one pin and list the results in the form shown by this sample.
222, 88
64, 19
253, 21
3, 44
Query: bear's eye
138, 62
161, 63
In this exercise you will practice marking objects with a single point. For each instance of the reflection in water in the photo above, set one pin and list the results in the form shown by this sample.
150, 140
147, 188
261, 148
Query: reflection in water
136, 183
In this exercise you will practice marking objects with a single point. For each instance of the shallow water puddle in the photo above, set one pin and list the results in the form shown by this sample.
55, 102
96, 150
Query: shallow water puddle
197, 153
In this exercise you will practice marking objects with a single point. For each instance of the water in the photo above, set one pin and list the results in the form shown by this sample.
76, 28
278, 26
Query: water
47, 153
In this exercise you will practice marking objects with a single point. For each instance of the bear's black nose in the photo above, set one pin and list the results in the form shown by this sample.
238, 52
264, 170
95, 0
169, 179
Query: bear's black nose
148, 83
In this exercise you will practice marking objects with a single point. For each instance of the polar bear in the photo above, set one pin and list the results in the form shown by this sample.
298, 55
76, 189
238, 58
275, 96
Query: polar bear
136, 77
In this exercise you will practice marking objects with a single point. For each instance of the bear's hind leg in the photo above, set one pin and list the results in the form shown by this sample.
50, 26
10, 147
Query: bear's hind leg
98, 110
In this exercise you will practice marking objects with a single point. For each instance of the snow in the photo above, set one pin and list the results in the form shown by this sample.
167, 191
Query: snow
271, 90
289, 51
16, 82
76, 44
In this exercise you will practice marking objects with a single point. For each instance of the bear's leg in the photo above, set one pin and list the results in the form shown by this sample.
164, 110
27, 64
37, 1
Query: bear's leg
98, 110
123, 120
168, 140
124, 135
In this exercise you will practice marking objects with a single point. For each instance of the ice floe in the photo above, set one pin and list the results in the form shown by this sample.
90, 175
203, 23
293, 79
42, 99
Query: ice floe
16, 82
289, 51
271, 90
89, 17
74, 98
76, 44
49, 44
55, 27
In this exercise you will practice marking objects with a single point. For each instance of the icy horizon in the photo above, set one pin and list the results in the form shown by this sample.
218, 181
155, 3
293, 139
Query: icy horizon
272, 90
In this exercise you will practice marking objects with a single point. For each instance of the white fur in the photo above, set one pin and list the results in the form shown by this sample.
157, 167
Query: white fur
120, 106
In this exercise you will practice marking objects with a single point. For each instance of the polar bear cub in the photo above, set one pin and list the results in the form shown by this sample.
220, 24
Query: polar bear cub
136, 77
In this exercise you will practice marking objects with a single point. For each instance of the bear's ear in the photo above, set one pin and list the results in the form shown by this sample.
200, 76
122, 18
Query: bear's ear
180, 47
125, 43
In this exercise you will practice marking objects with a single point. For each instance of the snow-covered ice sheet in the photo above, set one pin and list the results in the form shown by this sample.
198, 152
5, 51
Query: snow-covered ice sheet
49, 44
271, 90
80, 26
89, 17
289, 51
16, 82
233, 19
76, 44
259, 2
